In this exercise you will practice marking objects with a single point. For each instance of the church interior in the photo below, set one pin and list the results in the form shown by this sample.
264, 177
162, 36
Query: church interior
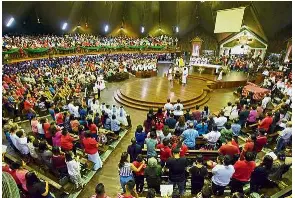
148, 99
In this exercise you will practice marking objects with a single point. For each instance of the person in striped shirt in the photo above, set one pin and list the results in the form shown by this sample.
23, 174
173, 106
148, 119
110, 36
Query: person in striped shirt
125, 170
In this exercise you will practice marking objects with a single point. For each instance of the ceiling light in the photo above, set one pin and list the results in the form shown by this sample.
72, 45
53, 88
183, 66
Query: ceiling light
142, 29
38, 20
106, 28
64, 26
10, 22
177, 29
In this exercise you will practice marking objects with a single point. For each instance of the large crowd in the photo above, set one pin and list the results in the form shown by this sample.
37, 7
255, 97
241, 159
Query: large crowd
34, 85
82, 40
69, 88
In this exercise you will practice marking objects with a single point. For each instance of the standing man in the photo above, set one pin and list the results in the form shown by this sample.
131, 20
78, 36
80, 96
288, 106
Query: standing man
177, 169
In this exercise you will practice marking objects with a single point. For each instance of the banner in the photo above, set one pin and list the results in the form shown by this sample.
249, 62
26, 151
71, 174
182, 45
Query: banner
37, 50
11, 51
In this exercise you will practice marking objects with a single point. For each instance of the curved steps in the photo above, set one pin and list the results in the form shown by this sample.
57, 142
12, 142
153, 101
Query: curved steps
145, 105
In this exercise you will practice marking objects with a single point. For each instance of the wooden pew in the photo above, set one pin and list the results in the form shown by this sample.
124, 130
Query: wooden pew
191, 154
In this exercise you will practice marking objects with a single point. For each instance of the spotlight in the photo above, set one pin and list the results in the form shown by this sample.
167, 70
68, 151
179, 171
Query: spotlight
86, 25
10, 22
106, 28
122, 27
64, 26
142, 29
38, 20
177, 29
78, 26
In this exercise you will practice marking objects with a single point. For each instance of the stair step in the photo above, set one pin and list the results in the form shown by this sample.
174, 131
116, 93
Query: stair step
147, 107
153, 105
186, 102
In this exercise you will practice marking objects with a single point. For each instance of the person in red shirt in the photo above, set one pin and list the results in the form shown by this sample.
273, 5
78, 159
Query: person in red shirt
261, 141
59, 117
183, 147
91, 148
93, 129
12, 171
165, 151
243, 171
249, 146
28, 106
159, 116
229, 149
66, 142
266, 122
139, 176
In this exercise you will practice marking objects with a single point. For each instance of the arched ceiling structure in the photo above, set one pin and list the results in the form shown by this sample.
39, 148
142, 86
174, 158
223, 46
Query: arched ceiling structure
265, 18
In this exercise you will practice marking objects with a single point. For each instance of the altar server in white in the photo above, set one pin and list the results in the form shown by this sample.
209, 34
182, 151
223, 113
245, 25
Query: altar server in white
184, 76
122, 116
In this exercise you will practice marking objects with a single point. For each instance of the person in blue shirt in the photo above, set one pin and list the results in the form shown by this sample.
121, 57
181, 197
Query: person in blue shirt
202, 127
107, 123
82, 111
171, 121
236, 128
189, 136
115, 125
140, 135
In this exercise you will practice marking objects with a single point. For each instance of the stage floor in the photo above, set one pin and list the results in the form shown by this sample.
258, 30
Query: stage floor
158, 89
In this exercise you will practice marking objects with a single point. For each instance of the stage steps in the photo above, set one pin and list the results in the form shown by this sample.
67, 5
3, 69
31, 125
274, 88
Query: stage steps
146, 105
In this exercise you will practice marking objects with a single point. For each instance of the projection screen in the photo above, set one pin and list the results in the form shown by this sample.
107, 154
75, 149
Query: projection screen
229, 20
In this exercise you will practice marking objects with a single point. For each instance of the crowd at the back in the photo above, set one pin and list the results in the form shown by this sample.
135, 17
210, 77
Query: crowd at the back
85, 40
175, 131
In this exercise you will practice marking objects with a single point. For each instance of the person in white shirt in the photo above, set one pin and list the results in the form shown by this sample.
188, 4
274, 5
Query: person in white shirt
13, 137
265, 101
41, 132
76, 111
108, 111
227, 110
32, 148
178, 104
178, 112
103, 107
184, 76
122, 116
71, 107
222, 174
284, 137
213, 136
22, 143
220, 121
95, 107
73, 166
168, 105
